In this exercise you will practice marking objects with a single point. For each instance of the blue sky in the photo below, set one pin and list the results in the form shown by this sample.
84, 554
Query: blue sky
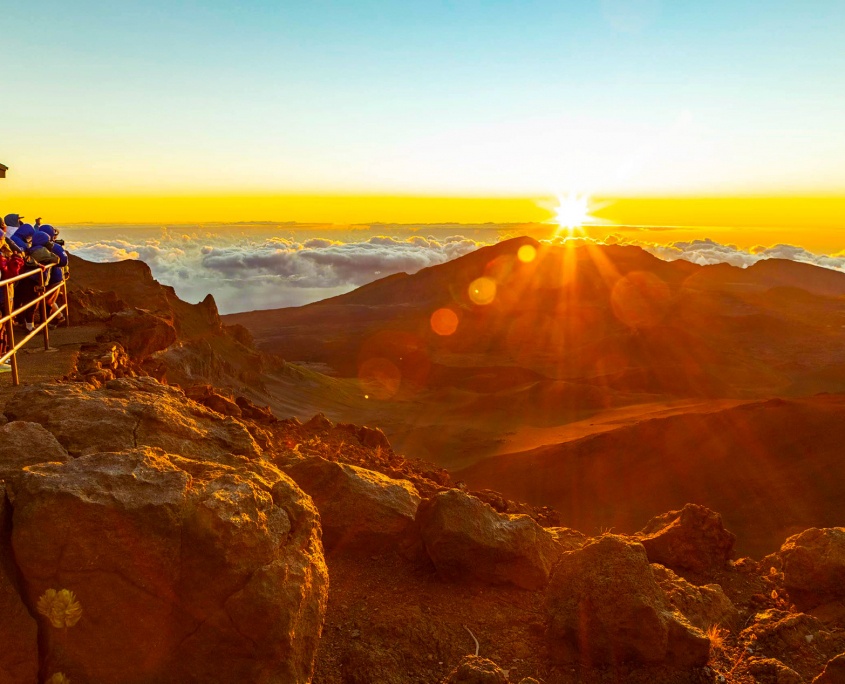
467, 96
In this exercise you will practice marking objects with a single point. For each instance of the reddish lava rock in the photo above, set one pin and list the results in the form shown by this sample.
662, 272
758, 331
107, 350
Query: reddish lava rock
606, 608
814, 565
466, 539
475, 670
693, 538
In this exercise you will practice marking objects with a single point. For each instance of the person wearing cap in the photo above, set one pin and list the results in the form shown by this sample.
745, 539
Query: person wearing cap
13, 222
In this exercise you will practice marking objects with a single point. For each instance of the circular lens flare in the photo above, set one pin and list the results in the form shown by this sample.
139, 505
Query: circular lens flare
482, 291
526, 254
444, 322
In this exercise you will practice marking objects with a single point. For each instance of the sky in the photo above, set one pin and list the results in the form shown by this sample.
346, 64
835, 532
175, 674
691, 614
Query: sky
422, 110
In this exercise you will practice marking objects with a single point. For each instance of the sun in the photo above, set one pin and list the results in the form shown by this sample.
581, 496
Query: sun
571, 213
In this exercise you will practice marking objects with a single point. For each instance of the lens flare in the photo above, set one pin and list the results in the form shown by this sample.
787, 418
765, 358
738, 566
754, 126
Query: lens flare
526, 254
482, 291
444, 322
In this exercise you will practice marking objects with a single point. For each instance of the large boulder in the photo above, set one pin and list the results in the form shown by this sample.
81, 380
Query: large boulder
814, 565
476, 670
23, 444
128, 413
772, 671
142, 332
466, 539
18, 631
693, 538
606, 607
704, 606
359, 509
148, 567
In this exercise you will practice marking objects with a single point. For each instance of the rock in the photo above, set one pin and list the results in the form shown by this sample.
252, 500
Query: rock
568, 539
373, 438
318, 423
776, 631
23, 444
466, 539
476, 670
771, 671
142, 333
18, 631
814, 565
834, 671
180, 570
359, 509
131, 412
208, 397
260, 414
606, 607
703, 606
693, 538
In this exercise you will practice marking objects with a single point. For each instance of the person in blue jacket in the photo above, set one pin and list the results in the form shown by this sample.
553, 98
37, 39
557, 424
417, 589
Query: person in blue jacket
39, 258
22, 237
58, 273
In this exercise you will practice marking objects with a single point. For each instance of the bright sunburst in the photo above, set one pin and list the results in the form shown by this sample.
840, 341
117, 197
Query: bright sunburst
571, 213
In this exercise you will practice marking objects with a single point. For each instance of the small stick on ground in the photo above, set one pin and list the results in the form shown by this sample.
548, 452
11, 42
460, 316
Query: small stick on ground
473, 638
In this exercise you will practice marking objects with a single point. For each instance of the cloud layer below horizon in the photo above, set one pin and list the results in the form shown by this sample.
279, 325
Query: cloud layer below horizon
246, 273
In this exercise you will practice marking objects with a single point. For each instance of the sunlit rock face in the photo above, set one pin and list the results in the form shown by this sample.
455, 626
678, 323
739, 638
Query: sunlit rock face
466, 539
814, 565
154, 568
606, 608
131, 412
359, 509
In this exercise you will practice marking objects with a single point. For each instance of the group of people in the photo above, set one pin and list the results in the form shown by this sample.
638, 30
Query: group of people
35, 249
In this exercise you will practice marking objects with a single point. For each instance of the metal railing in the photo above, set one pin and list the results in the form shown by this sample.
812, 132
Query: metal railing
43, 327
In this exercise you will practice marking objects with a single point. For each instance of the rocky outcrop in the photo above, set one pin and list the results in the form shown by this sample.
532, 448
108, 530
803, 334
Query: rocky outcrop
693, 538
143, 333
568, 539
778, 631
23, 444
814, 565
359, 509
128, 413
606, 607
150, 567
466, 539
704, 606
771, 670
476, 670
210, 398
834, 671
18, 631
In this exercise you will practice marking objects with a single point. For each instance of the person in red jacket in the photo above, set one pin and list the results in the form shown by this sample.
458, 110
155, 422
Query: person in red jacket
11, 264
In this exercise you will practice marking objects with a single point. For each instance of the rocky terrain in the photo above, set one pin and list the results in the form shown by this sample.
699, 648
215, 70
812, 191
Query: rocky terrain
159, 525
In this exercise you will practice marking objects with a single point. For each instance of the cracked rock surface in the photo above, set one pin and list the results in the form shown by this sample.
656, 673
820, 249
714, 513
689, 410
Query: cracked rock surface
184, 570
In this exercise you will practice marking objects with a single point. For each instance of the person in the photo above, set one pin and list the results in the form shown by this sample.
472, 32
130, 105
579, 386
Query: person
13, 222
39, 258
11, 264
37, 225
60, 272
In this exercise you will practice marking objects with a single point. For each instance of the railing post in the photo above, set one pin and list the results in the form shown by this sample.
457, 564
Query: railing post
10, 334
67, 305
44, 313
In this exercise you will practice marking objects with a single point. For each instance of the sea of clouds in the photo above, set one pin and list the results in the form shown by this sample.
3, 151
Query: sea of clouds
260, 269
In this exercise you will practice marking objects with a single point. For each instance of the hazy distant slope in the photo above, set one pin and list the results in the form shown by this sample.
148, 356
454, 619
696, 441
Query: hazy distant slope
770, 467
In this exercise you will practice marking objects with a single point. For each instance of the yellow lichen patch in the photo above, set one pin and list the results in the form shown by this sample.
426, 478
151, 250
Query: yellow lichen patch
60, 607
58, 678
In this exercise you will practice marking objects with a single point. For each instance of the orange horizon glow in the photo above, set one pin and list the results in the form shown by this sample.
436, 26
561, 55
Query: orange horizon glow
816, 223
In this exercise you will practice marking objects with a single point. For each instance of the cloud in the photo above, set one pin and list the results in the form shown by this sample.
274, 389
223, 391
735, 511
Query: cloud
278, 271
244, 272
